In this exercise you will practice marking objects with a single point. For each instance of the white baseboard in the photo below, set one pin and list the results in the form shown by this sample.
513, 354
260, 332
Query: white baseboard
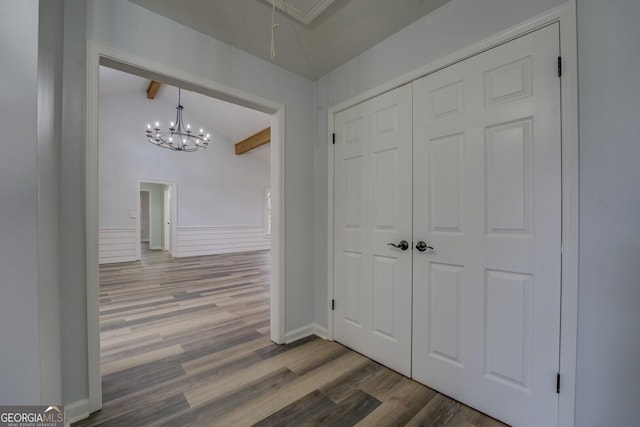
198, 241
117, 245
321, 331
305, 331
76, 411
299, 333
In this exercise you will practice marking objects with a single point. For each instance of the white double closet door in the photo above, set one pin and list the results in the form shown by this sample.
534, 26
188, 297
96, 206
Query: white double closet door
467, 161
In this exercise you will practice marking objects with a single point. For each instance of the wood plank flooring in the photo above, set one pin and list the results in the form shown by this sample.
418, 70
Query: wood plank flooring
185, 342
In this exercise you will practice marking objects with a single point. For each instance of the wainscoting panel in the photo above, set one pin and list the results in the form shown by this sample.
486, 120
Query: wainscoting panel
196, 241
117, 245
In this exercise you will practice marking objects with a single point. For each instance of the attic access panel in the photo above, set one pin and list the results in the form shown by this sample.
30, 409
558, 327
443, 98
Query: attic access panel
304, 11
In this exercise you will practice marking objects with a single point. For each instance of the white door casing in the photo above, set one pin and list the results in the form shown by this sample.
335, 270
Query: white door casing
168, 220
373, 208
487, 198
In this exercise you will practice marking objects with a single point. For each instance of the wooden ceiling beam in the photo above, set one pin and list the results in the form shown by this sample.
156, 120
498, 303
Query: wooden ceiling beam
254, 141
153, 88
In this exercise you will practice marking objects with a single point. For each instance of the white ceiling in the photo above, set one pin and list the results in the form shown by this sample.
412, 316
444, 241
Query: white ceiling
230, 120
338, 33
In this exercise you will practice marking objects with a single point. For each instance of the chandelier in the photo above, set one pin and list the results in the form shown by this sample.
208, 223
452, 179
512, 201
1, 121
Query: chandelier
179, 137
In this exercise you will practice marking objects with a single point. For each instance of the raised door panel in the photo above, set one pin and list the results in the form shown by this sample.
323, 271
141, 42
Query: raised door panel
508, 178
508, 328
445, 313
446, 175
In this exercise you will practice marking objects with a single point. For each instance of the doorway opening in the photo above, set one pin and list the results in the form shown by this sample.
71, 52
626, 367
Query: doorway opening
100, 55
161, 310
157, 207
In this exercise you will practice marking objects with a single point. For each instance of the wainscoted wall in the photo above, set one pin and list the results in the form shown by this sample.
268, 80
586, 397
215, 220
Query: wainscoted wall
117, 245
194, 241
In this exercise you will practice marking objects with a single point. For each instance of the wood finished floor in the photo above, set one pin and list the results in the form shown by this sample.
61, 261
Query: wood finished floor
185, 342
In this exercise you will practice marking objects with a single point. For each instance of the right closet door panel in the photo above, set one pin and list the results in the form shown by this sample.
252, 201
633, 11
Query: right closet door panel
486, 204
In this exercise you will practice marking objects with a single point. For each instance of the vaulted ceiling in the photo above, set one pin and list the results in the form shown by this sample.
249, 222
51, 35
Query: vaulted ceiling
232, 121
313, 36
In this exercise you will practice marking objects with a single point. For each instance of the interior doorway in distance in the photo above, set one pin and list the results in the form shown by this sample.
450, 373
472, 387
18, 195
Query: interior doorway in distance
155, 223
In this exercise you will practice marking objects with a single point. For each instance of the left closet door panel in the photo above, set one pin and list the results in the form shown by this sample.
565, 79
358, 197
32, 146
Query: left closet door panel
373, 179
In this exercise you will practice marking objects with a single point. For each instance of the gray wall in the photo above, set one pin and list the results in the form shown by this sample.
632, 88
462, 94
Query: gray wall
19, 352
30, 96
608, 374
50, 45
73, 289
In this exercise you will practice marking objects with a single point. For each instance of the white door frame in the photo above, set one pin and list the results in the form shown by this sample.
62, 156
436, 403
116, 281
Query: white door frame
139, 219
566, 16
174, 212
167, 219
99, 54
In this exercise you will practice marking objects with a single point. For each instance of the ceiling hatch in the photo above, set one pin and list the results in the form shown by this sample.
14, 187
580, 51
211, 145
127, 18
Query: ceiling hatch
304, 11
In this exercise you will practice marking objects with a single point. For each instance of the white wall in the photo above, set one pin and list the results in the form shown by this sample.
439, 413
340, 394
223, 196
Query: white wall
29, 171
454, 26
609, 291
215, 186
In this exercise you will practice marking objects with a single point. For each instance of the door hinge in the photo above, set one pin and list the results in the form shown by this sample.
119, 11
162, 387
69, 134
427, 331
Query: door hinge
558, 383
559, 66
334, 139
333, 304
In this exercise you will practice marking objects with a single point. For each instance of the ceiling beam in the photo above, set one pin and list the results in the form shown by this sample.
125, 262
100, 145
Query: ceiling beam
153, 88
254, 141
